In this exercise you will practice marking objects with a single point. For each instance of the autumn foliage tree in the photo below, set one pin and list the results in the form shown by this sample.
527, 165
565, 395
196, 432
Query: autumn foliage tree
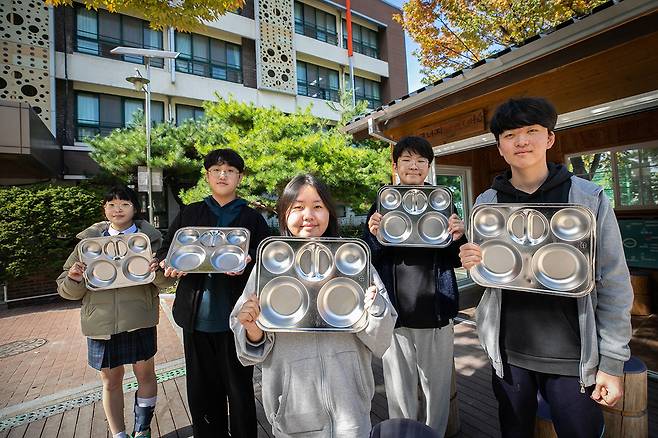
184, 15
453, 34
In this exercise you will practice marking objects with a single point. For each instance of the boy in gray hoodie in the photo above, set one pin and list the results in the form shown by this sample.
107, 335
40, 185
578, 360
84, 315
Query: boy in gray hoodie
571, 350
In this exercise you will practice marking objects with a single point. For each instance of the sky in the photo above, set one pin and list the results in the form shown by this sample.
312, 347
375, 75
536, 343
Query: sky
413, 67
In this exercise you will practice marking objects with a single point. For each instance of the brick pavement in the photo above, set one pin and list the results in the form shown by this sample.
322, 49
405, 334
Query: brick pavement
61, 364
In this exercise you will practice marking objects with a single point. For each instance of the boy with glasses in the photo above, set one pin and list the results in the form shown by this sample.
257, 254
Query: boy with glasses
204, 302
423, 289
571, 350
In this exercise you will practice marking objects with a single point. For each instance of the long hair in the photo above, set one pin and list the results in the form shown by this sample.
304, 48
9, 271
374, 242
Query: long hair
289, 196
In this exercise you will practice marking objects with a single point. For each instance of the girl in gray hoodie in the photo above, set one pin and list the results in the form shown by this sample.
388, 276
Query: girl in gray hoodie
314, 384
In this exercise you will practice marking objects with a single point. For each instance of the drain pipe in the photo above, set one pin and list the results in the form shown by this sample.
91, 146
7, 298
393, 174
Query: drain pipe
374, 131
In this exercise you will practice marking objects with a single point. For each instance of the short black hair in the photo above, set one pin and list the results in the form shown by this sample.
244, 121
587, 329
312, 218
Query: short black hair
123, 193
415, 144
523, 111
224, 156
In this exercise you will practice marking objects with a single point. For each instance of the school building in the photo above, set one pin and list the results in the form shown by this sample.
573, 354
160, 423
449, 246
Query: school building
59, 83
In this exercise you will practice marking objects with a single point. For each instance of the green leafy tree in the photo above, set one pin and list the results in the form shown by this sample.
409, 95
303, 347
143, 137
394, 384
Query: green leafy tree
38, 226
277, 146
453, 34
172, 149
185, 15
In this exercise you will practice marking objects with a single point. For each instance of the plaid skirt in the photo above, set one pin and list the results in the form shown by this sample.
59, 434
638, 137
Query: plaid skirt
122, 349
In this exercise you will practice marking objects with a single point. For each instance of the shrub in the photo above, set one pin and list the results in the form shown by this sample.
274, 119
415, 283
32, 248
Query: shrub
38, 225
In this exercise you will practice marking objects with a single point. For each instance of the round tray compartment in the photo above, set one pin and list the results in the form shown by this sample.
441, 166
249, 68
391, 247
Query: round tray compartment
228, 258
283, 302
187, 258
395, 227
501, 262
237, 237
277, 257
136, 268
351, 258
138, 244
390, 198
340, 302
188, 236
101, 273
571, 224
314, 262
489, 222
433, 228
414, 201
528, 227
560, 267
91, 249
440, 199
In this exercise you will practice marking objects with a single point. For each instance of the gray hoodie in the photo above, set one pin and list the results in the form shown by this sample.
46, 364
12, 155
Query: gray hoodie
603, 315
318, 384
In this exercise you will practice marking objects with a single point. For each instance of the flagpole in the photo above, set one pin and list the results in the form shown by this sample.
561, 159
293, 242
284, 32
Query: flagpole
350, 52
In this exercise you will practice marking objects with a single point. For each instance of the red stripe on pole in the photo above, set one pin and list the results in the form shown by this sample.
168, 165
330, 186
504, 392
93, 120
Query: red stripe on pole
348, 19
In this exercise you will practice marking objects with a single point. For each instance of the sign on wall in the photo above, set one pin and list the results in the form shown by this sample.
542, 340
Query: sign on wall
640, 238
458, 127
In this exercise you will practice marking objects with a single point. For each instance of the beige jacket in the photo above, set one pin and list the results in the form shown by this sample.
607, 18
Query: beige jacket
108, 312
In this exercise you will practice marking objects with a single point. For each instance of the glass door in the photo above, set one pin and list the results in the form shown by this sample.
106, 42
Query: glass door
458, 179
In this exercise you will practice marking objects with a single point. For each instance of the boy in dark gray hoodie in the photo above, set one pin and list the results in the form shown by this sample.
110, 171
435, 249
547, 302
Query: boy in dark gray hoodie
571, 350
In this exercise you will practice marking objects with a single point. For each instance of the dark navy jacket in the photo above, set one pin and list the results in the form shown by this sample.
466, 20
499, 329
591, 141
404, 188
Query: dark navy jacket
441, 261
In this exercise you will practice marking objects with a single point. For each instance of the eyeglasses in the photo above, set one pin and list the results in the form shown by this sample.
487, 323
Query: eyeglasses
420, 162
219, 172
118, 206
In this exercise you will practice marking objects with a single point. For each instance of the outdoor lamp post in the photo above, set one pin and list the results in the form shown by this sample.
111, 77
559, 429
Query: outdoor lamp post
142, 83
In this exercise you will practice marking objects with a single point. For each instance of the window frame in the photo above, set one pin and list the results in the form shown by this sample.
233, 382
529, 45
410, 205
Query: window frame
334, 94
209, 63
103, 39
100, 127
314, 30
371, 100
615, 171
193, 108
358, 45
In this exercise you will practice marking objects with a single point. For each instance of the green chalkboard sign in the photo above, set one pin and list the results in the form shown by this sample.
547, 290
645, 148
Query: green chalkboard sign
640, 239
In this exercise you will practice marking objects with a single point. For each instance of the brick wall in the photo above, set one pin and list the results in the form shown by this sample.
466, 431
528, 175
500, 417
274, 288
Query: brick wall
249, 63
31, 287
65, 111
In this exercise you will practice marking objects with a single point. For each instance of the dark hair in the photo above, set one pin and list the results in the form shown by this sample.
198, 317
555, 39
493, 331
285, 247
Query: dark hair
289, 196
413, 144
523, 111
224, 156
123, 193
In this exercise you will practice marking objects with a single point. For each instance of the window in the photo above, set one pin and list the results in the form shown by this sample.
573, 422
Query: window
364, 40
315, 23
628, 175
365, 89
318, 82
102, 113
186, 112
98, 32
209, 57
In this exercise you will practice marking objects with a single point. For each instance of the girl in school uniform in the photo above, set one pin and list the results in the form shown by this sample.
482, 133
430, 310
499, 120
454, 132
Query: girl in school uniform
314, 384
120, 324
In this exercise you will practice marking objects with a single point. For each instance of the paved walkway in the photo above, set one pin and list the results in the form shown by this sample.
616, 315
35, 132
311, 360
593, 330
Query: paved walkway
50, 392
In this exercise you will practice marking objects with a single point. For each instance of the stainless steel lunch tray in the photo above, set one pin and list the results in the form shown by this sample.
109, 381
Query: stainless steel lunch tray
312, 285
414, 216
543, 248
205, 250
116, 261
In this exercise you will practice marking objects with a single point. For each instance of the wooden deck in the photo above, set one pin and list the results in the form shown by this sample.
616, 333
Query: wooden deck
477, 406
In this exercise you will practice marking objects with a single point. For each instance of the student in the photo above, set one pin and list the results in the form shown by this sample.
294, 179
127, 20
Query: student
120, 324
424, 292
203, 303
570, 349
314, 384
